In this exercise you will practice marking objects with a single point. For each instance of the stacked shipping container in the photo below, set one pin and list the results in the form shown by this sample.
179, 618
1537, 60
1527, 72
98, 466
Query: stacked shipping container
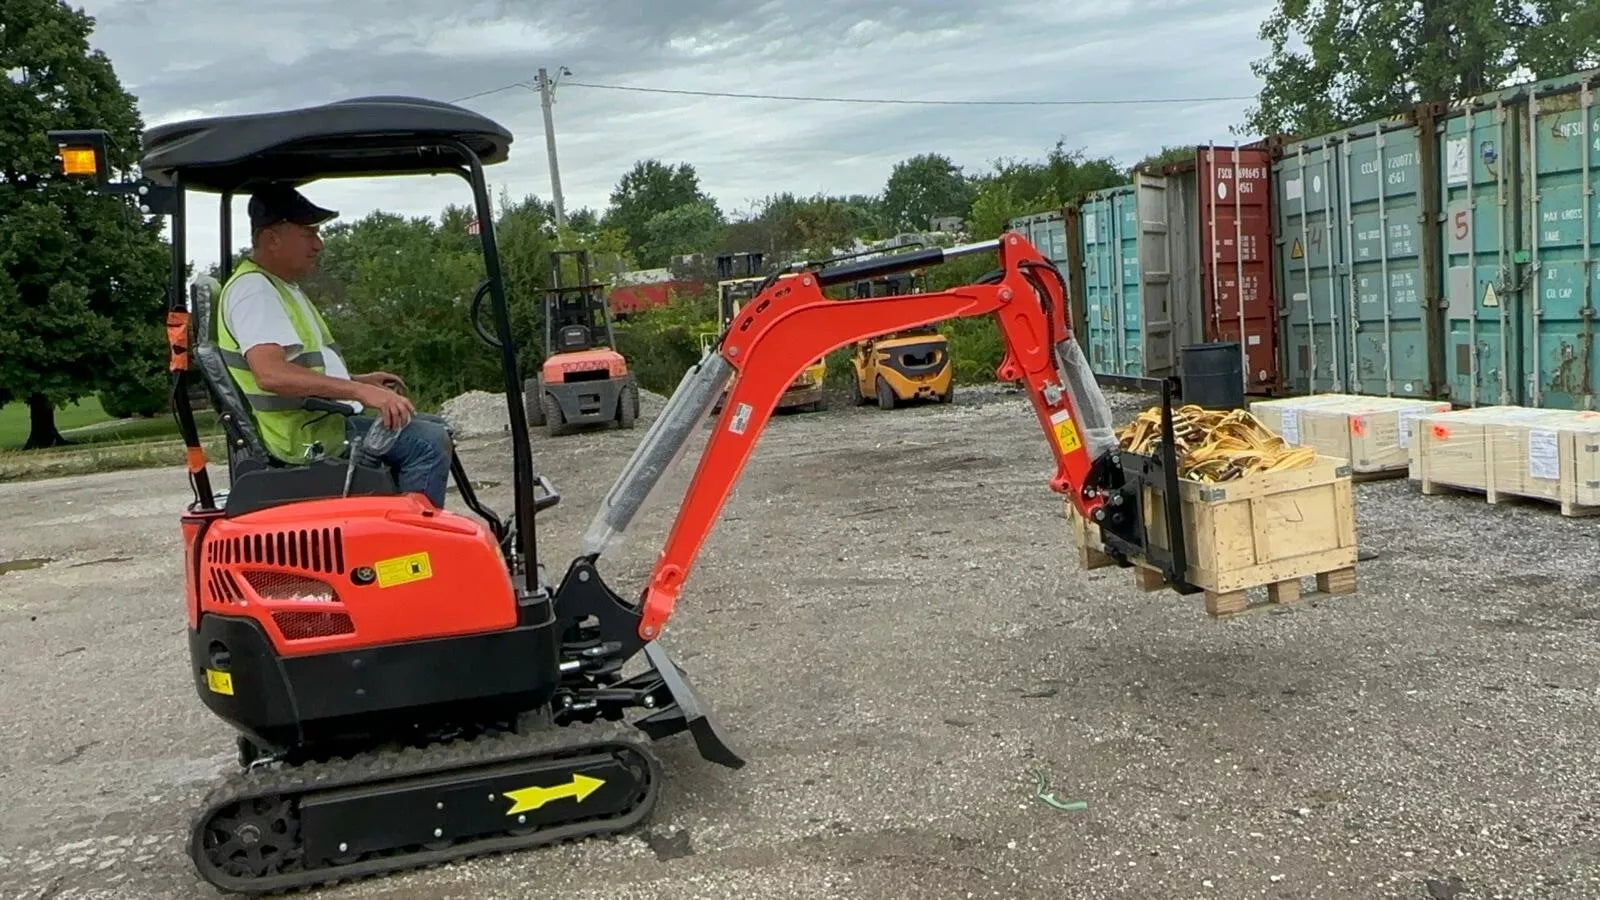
1450, 253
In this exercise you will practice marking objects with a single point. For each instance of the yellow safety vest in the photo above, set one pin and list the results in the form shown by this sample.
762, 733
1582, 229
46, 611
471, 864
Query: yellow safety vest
285, 425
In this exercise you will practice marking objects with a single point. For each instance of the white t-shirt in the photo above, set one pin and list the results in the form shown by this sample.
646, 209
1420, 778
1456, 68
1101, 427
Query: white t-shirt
254, 315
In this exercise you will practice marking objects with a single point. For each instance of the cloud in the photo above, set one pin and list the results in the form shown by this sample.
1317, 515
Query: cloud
183, 59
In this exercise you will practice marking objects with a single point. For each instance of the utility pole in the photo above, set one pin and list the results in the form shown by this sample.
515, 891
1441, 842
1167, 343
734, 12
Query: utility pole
547, 97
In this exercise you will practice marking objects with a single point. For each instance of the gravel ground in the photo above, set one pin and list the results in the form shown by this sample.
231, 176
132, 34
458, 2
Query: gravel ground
890, 622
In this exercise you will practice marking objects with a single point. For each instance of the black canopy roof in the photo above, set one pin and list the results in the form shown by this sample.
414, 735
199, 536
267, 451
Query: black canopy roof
361, 136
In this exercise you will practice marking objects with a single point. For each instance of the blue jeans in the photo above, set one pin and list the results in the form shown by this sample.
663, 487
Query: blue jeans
421, 452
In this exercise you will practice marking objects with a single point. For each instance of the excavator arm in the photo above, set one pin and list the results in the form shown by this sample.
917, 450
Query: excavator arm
791, 322
786, 325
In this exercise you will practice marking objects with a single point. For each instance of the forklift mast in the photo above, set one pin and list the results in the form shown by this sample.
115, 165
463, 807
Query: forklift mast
575, 315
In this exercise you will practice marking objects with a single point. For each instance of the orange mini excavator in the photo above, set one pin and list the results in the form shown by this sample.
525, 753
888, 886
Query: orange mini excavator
407, 685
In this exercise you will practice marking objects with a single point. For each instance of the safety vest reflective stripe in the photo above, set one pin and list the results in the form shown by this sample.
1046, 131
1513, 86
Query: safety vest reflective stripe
312, 360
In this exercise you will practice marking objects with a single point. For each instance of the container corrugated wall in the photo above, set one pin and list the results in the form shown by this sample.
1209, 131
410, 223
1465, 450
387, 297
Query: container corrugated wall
1350, 242
1562, 217
1461, 244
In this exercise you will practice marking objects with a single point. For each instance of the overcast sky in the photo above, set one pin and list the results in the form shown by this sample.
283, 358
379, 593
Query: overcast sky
183, 58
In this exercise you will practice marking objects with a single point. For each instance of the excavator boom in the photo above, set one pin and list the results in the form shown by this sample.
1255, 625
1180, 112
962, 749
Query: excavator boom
791, 322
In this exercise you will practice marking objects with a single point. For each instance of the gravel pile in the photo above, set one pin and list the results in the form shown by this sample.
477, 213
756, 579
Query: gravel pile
477, 413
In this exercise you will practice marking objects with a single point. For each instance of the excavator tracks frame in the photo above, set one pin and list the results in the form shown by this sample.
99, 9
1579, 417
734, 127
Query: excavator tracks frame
276, 828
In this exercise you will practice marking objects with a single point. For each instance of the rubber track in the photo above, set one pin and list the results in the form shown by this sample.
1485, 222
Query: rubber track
611, 737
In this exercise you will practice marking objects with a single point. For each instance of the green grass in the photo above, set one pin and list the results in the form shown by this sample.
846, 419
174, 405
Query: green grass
14, 420
99, 442
85, 423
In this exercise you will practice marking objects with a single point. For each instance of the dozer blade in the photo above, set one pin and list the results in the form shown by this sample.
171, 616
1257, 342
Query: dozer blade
686, 711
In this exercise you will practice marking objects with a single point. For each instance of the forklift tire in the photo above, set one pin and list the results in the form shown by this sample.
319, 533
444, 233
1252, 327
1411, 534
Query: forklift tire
554, 424
949, 395
628, 405
885, 394
533, 400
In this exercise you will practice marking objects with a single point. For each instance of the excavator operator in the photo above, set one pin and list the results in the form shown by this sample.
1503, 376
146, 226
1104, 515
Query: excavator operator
279, 350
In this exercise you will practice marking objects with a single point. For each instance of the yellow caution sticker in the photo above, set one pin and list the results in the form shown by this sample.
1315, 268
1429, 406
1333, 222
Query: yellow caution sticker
1066, 432
403, 569
219, 682
531, 798
1296, 251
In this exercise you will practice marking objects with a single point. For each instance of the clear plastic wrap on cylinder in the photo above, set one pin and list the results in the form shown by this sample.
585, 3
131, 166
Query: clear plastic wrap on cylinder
663, 444
1094, 414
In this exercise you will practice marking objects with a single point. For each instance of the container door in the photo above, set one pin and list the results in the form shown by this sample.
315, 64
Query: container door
1103, 280
1383, 180
1482, 353
1236, 228
1130, 345
1155, 306
1311, 256
1561, 217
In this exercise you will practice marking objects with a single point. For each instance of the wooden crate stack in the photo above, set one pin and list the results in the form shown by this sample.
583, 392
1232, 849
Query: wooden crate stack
1541, 454
1262, 531
1374, 433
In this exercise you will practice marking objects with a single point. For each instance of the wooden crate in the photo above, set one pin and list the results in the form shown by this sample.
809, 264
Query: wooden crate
1374, 433
1264, 531
1512, 451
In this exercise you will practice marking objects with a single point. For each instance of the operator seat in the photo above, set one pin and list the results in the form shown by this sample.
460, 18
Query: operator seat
257, 478
575, 337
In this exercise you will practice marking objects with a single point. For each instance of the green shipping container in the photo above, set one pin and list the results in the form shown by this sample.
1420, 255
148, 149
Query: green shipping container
1521, 236
1351, 244
1449, 254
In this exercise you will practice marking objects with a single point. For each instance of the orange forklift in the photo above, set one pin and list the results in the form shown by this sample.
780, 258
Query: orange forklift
584, 380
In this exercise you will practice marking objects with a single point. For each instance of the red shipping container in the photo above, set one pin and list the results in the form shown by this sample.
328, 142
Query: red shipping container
1239, 299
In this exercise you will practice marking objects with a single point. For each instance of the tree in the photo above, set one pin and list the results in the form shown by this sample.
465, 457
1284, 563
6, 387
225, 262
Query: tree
648, 189
1023, 187
689, 228
1353, 70
82, 298
923, 187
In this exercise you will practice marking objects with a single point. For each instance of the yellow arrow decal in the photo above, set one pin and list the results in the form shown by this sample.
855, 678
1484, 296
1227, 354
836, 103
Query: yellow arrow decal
531, 798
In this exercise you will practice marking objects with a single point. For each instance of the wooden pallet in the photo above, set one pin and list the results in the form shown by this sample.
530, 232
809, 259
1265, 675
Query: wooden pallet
1266, 532
1284, 594
1569, 508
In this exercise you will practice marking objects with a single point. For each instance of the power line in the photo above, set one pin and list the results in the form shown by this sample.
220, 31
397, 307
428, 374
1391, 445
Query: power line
1115, 101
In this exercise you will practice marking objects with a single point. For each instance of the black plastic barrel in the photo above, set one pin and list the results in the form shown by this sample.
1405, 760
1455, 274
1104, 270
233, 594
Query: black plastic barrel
1212, 375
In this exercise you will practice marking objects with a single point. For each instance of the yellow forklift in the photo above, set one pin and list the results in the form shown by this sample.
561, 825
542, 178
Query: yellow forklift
806, 391
902, 366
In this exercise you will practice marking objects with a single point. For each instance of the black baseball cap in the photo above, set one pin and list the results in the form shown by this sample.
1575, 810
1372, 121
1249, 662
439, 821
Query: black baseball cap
282, 203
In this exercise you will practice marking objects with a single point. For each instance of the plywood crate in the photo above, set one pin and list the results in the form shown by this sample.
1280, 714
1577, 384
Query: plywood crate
1264, 530
1374, 433
1542, 454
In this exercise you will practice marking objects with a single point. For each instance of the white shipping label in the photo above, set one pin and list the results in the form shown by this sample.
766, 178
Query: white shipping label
1544, 461
1408, 421
1290, 430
